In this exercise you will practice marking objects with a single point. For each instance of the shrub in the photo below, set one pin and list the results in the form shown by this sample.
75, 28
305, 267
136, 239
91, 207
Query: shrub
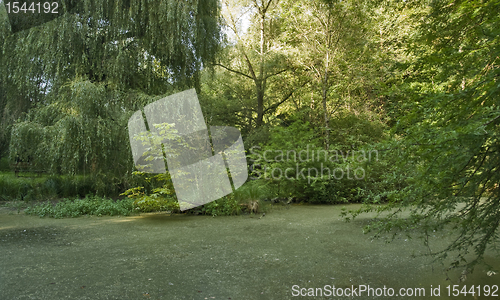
225, 206
150, 204
4, 164
154, 193
17, 188
57, 186
254, 190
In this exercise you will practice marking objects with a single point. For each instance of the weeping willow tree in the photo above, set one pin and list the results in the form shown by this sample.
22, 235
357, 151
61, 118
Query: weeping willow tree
70, 83
4, 32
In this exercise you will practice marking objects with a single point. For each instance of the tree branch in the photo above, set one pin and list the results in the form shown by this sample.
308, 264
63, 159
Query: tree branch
234, 71
491, 121
286, 97
274, 74
250, 68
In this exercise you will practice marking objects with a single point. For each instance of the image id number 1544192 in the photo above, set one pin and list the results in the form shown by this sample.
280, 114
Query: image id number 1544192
34, 8
473, 290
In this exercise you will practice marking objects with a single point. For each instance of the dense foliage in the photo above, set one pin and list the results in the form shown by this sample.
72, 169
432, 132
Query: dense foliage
448, 121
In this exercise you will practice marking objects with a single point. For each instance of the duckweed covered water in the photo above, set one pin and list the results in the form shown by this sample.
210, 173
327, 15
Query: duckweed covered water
161, 256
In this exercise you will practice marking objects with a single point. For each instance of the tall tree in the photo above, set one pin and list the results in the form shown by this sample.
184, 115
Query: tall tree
333, 42
256, 53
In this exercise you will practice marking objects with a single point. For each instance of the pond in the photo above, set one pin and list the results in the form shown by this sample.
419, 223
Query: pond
288, 252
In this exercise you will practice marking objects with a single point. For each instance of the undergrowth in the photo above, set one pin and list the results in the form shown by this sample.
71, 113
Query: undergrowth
90, 205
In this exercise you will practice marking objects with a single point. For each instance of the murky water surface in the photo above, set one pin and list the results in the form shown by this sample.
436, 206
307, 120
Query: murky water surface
161, 256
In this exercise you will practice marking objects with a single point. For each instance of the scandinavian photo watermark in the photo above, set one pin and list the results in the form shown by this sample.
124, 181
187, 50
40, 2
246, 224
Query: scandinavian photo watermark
372, 291
357, 291
204, 163
328, 164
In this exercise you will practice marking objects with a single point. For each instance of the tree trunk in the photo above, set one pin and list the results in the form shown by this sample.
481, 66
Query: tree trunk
260, 85
260, 105
324, 95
